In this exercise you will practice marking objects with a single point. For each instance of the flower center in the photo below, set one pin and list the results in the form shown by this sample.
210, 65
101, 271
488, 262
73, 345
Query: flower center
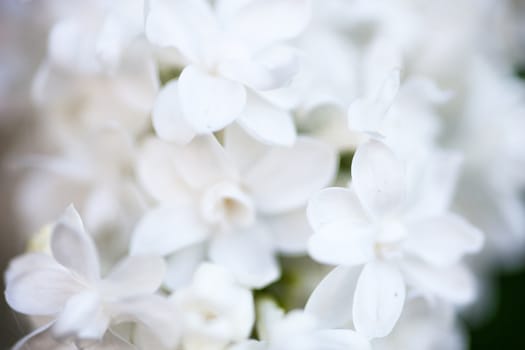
227, 205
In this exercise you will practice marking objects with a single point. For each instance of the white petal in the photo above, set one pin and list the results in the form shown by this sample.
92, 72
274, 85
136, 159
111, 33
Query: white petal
27, 263
443, 240
278, 182
135, 275
338, 339
203, 162
378, 178
455, 284
342, 243
182, 264
168, 121
158, 174
41, 291
270, 69
73, 247
166, 229
331, 301
82, 317
333, 204
184, 24
242, 148
267, 123
209, 103
288, 18
248, 255
434, 188
367, 114
290, 231
158, 314
378, 299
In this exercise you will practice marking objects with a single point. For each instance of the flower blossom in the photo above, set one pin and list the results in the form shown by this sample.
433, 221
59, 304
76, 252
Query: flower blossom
298, 330
398, 239
210, 321
66, 286
238, 205
230, 57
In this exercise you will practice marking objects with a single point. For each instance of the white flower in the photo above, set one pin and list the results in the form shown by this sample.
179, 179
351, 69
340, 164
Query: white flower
90, 38
82, 171
230, 53
67, 287
400, 239
490, 186
213, 320
239, 205
298, 331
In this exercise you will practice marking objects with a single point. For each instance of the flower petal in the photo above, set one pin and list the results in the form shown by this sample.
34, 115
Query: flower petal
378, 178
73, 247
290, 232
342, 243
203, 162
82, 318
244, 150
184, 24
167, 229
248, 255
455, 283
27, 263
443, 240
267, 123
333, 204
378, 299
270, 69
331, 301
289, 18
277, 182
158, 314
182, 264
41, 291
158, 174
209, 103
168, 121
135, 275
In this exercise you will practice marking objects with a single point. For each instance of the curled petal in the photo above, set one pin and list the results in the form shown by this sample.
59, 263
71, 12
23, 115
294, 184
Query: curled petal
73, 247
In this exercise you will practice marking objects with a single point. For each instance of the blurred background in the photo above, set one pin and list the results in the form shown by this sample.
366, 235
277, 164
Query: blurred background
23, 35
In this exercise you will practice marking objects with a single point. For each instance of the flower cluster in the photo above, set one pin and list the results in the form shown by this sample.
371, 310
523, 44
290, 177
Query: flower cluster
267, 174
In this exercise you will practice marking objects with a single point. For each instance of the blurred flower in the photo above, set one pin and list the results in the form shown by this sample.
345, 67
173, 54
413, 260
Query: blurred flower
67, 286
